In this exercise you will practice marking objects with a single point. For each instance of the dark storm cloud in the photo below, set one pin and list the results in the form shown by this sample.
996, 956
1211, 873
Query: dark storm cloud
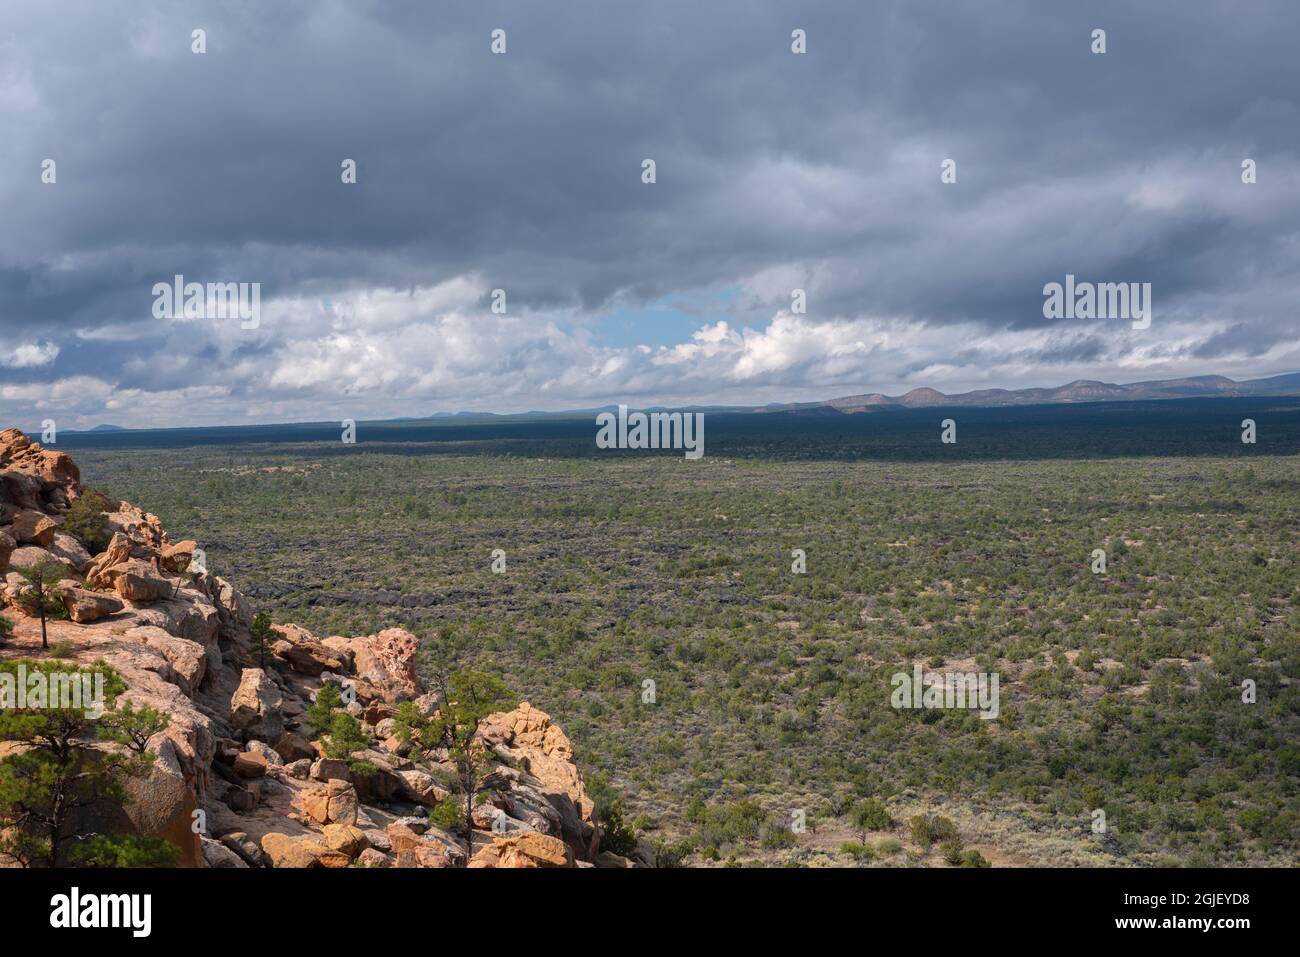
774, 170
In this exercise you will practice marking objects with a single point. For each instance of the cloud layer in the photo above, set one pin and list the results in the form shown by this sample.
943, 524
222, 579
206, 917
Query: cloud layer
522, 172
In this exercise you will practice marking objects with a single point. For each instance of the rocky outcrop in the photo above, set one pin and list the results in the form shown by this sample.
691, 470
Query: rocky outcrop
237, 754
387, 660
530, 744
304, 653
32, 477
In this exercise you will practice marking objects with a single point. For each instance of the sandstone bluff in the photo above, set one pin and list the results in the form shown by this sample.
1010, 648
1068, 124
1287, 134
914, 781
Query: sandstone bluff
236, 747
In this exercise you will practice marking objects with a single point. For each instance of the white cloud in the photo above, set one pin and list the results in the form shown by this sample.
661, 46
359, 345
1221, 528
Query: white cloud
29, 355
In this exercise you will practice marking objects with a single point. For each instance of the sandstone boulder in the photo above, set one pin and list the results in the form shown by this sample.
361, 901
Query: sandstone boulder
176, 558
526, 738
315, 804
137, 580
343, 804
306, 659
187, 658
25, 556
291, 852
51, 469
216, 854
294, 747
345, 838
421, 788
329, 769
117, 553
525, 850
245, 847
31, 527
250, 764
163, 802
256, 705
240, 799
235, 616
84, 605
388, 660
70, 550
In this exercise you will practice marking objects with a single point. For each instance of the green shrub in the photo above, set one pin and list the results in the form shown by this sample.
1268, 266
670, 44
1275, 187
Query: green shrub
952, 852
889, 845
858, 851
345, 737
124, 850
446, 814
777, 836
321, 714
929, 829
871, 815
668, 855
86, 522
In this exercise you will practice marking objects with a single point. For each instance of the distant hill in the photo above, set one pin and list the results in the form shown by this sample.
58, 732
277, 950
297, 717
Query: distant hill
440, 426
1081, 390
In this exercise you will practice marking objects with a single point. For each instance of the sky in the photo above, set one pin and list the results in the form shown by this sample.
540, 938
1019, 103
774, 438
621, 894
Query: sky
523, 171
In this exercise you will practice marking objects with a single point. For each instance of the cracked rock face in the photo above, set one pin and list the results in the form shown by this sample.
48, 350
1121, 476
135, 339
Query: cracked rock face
237, 756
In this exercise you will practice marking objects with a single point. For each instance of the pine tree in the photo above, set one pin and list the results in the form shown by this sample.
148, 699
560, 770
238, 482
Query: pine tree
68, 762
465, 700
37, 595
261, 635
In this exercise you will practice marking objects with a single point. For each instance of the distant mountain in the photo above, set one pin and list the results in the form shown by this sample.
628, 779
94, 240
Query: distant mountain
1081, 390
108, 428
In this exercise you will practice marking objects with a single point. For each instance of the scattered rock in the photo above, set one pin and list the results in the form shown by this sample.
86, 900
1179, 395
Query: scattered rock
294, 747
343, 802
421, 788
271, 755
216, 854
286, 851
344, 838
249, 764
371, 857
330, 769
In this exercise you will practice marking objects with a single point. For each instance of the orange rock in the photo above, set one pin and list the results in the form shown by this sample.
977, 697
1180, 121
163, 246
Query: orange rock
524, 850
